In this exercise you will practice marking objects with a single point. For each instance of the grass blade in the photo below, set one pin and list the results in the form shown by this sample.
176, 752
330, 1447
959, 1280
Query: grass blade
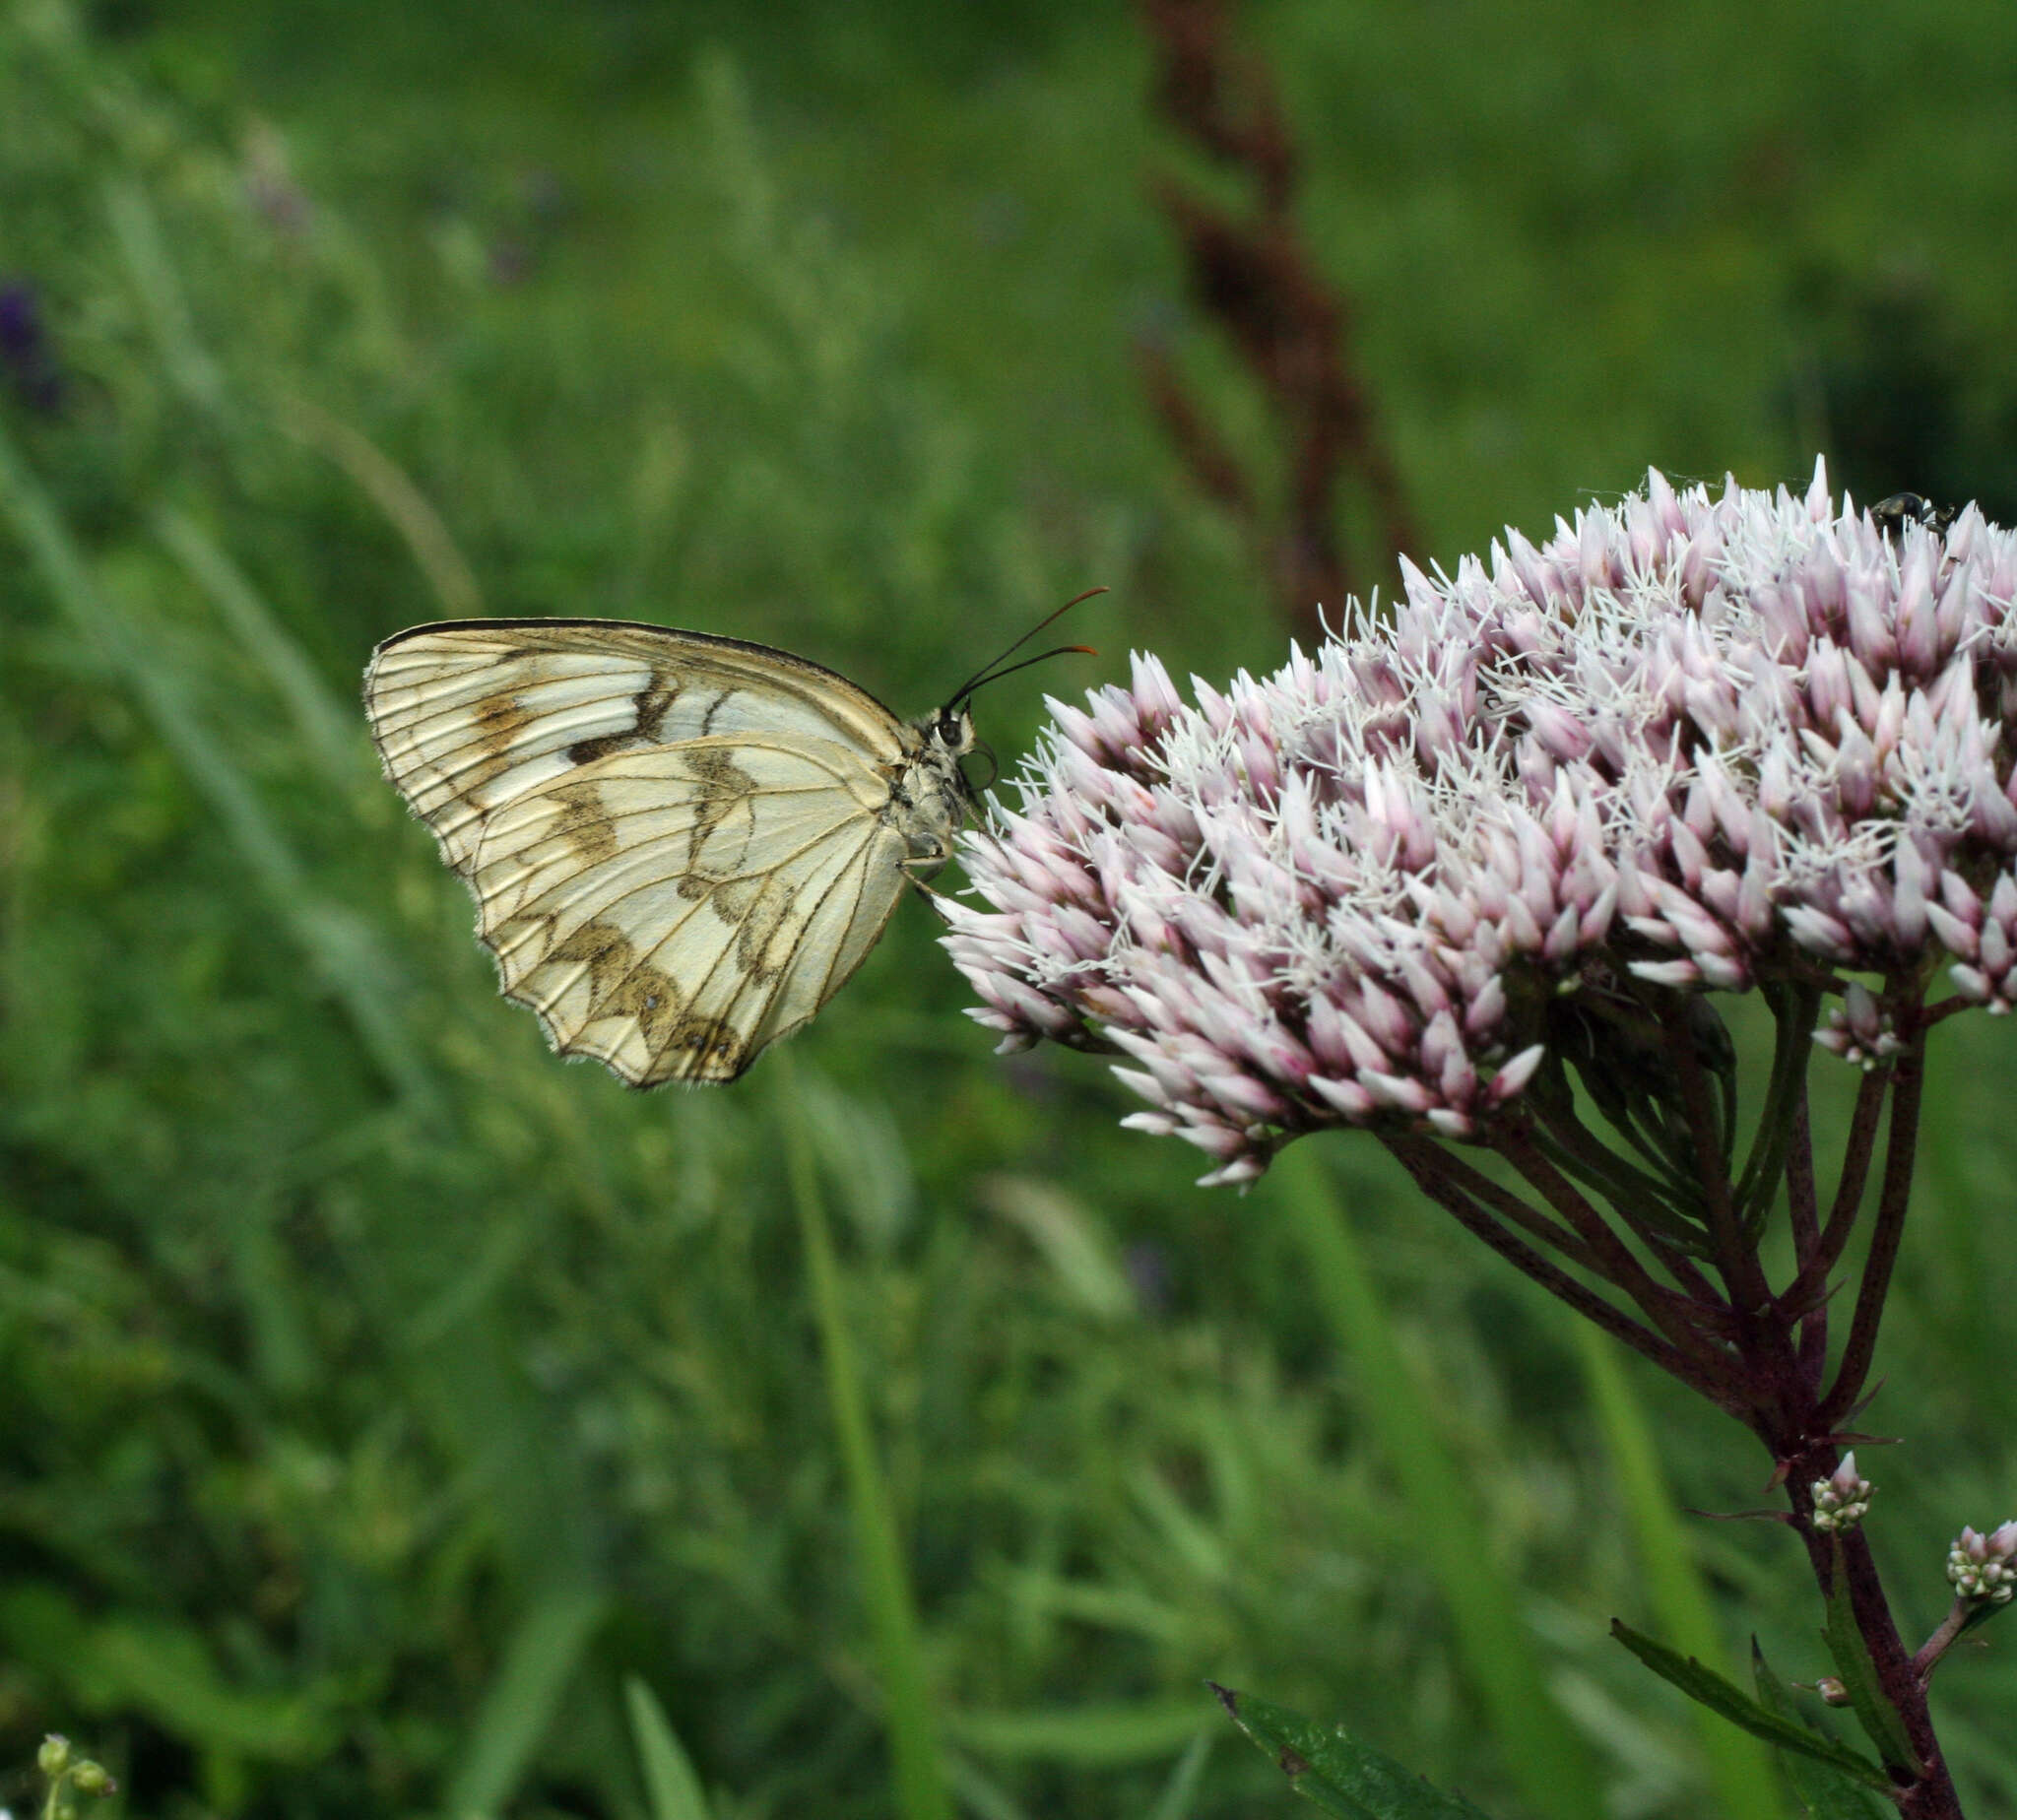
1739, 1767
671, 1788
1094, 1733
922, 1792
1547, 1760
539, 1663
386, 484
1180, 1793
329, 727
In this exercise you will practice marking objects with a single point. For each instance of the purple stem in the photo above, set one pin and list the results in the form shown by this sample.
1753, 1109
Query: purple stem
1615, 1259
1907, 1083
1803, 1200
1428, 1166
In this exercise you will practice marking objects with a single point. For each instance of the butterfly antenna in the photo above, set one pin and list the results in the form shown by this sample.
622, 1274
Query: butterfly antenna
1041, 657
992, 673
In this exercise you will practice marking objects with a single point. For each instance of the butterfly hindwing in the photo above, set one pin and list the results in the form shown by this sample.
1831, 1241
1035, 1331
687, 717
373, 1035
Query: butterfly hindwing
672, 910
680, 846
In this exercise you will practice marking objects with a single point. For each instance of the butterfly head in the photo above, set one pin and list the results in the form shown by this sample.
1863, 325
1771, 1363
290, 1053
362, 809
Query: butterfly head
949, 730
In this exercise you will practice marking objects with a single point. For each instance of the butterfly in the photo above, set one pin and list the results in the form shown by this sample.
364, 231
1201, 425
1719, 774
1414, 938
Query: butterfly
680, 846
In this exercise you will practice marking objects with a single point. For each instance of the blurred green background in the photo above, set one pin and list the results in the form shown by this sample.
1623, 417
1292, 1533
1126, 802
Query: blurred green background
380, 1398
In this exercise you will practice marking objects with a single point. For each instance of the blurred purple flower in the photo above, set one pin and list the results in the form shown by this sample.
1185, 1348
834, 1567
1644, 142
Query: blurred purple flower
1709, 743
25, 353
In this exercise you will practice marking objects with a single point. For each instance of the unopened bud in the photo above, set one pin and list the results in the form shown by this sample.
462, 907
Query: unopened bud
54, 1756
1985, 1566
89, 1777
1842, 1498
1860, 1030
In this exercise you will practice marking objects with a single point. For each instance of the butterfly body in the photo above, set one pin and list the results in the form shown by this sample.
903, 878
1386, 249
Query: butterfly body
680, 846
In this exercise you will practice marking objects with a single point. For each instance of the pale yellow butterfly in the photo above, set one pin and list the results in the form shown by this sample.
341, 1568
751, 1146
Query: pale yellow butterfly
680, 846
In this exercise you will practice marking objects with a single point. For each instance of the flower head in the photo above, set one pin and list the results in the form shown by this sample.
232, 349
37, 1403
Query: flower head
1985, 1566
1842, 1498
1687, 744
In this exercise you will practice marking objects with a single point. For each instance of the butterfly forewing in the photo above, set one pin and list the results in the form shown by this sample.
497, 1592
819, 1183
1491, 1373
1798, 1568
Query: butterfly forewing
680, 846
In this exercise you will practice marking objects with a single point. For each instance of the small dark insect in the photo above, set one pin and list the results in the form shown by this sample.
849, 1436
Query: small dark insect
1892, 515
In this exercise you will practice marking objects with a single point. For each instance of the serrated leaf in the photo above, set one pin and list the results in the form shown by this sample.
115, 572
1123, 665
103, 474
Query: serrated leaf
1825, 1791
1332, 1767
1725, 1697
1878, 1717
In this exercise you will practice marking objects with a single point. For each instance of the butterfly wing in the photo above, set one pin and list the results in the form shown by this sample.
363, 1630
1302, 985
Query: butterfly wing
678, 844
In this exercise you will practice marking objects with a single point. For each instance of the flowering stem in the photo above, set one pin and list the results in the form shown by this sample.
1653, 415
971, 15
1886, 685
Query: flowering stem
1638, 1198
1735, 1260
1430, 1169
1929, 1796
1854, 1177
1695, 1287
1795, 1010
1803, 1203
1899, 1150
1509, 1207
1616, 1261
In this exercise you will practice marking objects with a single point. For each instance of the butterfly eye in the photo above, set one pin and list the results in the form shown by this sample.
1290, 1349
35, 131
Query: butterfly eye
951, 731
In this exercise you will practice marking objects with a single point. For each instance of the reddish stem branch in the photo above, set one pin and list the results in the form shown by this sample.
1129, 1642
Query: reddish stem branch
1811, 1284
1569, 1132
1900, 1152
1737, 1261
1427, 1165
1803, 1202
1938, 1644
1509, 1208
1616, 1263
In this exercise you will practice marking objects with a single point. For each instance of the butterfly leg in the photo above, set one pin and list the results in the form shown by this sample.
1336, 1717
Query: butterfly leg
917, 871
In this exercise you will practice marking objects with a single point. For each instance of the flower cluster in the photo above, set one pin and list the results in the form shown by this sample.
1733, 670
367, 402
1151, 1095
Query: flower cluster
1842, 1498
1700, 742
1985, 1566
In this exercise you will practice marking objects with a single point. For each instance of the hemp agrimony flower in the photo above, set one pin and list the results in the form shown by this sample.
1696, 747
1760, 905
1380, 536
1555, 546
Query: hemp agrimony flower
1700, 743
1473, 876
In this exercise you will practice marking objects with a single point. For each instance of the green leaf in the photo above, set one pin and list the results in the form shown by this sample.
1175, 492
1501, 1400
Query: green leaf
1823, 1789
1344, 1776
671, 1788
1878, 1717
1736, 1706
